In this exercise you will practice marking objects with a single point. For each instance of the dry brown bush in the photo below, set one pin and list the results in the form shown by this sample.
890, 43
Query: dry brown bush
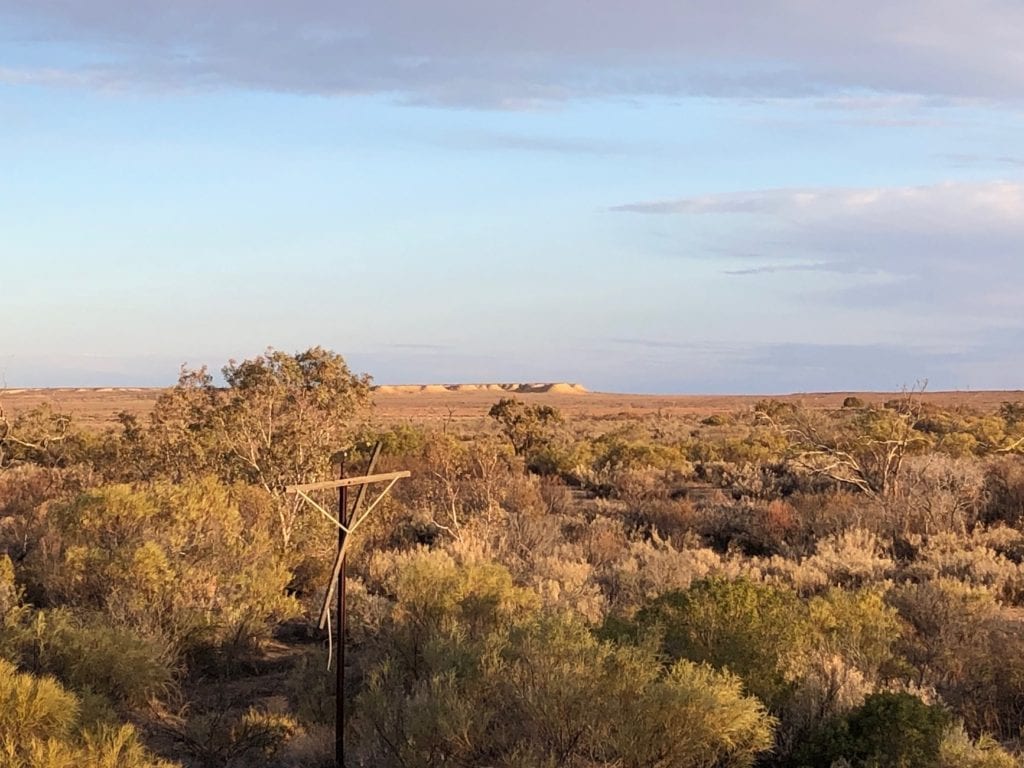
825, 514
969, 649
937, 494
971, 560
756, 528
1004, 483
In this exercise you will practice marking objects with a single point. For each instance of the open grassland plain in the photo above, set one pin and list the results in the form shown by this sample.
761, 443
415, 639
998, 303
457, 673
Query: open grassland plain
99, 407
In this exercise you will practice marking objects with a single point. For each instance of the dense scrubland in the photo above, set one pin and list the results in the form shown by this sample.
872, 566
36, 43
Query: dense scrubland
777, 586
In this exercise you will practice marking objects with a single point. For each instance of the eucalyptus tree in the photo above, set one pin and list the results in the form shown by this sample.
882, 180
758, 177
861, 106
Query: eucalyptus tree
281, 419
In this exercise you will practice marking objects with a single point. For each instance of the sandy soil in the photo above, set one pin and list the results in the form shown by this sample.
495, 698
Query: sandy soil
99, 407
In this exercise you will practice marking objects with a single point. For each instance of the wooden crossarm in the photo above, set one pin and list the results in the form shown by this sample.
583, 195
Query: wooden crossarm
347, 482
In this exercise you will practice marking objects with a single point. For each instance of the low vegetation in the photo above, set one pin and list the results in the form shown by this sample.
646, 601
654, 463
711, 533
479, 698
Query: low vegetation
777, 587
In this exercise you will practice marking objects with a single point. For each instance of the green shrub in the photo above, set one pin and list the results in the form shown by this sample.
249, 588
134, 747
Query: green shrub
890, 730
958, 750
472, 672
94, 656
34, 708
40, 728
754, 630
173, 561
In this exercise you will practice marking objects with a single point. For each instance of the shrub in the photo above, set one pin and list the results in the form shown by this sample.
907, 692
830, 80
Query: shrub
851, 559
829, 513
39, 728
531, 430
890, 730
225, 737
9, 593
1004, 491
34, 708
971, 561
455, 482
967, 648
754, 630
938, 494
93, 656
644, 570
176, 561
958, 750
490, 679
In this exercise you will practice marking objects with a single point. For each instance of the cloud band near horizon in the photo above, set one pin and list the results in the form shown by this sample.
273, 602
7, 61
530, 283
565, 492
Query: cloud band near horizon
526, 54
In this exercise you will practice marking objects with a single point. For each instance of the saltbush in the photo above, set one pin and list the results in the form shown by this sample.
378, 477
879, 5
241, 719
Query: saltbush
171, 561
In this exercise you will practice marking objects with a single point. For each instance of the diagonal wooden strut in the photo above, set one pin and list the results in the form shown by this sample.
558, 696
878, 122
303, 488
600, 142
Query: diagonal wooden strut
339, 558
392, 477
353, 523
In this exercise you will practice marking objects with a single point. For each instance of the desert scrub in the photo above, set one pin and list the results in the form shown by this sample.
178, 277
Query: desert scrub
40, 728
473, 670
755, 630
91, 656
223, 737
177, 562
958, 750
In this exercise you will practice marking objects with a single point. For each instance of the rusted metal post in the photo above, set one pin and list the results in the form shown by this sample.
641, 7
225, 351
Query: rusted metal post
348, 520
339, 728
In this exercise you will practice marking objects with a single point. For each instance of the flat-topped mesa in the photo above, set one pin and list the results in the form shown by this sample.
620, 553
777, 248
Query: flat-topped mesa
555, 388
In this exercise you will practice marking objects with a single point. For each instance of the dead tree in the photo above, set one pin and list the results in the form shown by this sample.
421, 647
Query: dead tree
864, 451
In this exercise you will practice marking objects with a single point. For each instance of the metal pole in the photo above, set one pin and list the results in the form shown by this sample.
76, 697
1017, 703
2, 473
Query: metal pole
339, 728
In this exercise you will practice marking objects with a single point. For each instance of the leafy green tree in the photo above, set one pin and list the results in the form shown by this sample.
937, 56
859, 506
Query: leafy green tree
529, 428
180, 441
282, 419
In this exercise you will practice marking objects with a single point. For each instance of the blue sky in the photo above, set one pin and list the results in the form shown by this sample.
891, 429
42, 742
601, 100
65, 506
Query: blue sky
656, 196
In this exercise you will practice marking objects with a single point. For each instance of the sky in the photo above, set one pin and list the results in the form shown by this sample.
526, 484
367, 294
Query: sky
689, 196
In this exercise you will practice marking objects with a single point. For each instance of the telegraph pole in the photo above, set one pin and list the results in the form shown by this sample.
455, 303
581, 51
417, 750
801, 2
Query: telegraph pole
339, 728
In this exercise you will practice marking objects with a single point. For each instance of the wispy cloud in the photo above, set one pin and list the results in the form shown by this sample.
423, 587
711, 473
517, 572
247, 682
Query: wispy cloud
520, 55
420, 347
554, 145
995, 201
943, 249
978, 360
657, 344
821, 266
970, 160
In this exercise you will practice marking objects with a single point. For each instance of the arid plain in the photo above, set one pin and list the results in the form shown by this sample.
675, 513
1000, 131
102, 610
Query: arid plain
98, 407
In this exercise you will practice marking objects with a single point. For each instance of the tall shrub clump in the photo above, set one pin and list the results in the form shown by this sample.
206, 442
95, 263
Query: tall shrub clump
176, 561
